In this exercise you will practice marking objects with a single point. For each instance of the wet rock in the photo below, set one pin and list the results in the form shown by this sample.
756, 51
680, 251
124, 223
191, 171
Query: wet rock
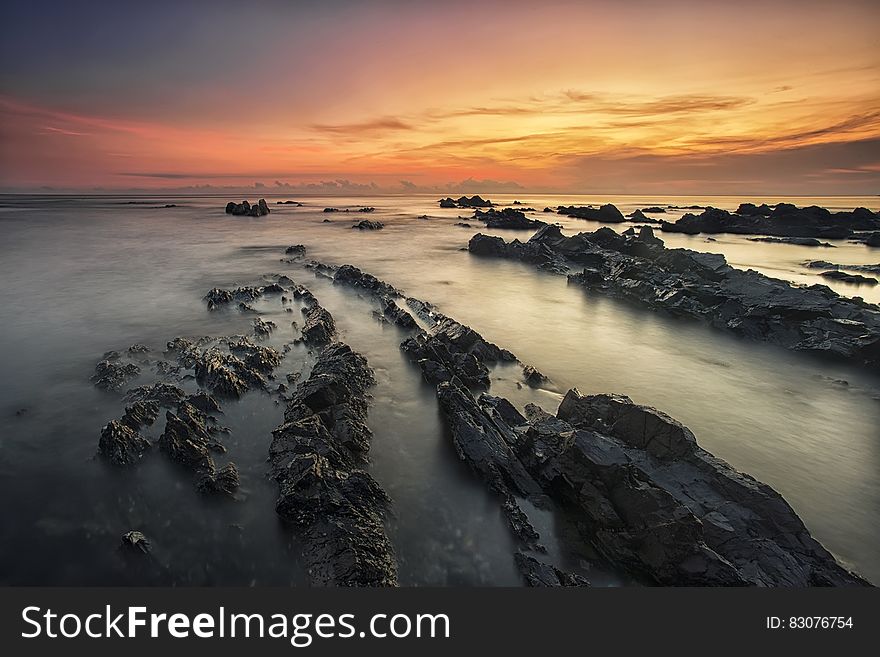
205, 402
113, 375
134, 542
463, 224
532, 376
216, 371
319, 327
824, 264
608, 213
223, 482
246, 209
162, 394
298, 250
541, 574
262, 328
255, 357
335, 508
797, 241
188, 440
507, 218
854, 279
640, 217
873, 239
366, 224
121, 445
367, 209
354, 277
140, 414
466, 202
783, 220
702, 286
398, 315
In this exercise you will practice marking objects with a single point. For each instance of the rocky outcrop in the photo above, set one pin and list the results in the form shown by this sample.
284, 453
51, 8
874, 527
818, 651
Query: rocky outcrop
844, 277
642, 493
319, 327
702, 286
783, 220
507, 218
797, 241
608, 213
121, 445
246, 209
113, 374
335, 508
465, 202
824, 264
541, 574
366, 224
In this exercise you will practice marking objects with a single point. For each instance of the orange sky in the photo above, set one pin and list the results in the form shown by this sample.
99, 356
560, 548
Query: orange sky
651, 97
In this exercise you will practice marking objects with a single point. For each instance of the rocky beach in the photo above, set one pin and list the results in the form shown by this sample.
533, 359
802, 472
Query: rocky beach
478, 390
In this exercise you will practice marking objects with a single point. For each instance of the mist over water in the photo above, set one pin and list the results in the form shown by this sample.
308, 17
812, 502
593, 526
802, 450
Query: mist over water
82, 276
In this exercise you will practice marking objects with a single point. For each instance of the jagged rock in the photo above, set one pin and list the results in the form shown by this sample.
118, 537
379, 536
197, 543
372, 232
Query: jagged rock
298, 250
140, 414
608, 213
538, 573
703, 286
336, 509
215, 370
262, 329
205, 402
824, 264
507, 218
121, 445
113, 375
134, 542
319, 327
397, 314
783, 220
367, 209
366, 224
246, 209
532, 376
466, 202
163, 394
331, 210
224, 481
873, 239
187, 439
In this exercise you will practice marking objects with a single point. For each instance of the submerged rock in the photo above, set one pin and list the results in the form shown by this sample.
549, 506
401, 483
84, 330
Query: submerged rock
335, 508
854, 279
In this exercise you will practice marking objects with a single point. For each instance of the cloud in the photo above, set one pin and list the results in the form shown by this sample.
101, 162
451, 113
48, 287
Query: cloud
375, 126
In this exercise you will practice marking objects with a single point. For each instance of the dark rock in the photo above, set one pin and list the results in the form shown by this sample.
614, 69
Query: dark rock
298, 250
263, 329
246, 209
162, 394
113, 375
466, 202
507, 218
134, 542
463, 224
703, 286
224, 481
532, 376
140, 414
541, 574
366, 224
335, 508
397, 315
331, 210
319, 327
352, 276
797, 241
854, 279
873, 239
784, 220
607, 213
121, 445
367, 209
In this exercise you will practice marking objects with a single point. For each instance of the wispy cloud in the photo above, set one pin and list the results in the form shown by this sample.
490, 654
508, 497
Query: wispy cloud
374, 127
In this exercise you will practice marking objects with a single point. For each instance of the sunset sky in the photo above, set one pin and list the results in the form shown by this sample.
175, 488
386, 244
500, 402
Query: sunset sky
636, 97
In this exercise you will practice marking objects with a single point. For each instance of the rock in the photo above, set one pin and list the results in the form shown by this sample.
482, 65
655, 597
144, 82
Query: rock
262, 329
365, 224
607, 213
824, 264
642, 493
224, 481
532, 376
121, 445
298, 250
397, 315
113, 375
783, 220
331, 210
367, 209
447, 203
541, 574
654, 209
638, 216
319, 327
134, 542
463, 224
508, 219
162, 394
702, 286
299, 205
188, 440
854, 279
140, 414
549, 210
873, 239
354, 277
246, 209
335, 508
797, 241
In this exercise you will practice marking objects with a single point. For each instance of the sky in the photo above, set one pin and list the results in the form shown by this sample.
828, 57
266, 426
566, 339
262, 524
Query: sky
672, 97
